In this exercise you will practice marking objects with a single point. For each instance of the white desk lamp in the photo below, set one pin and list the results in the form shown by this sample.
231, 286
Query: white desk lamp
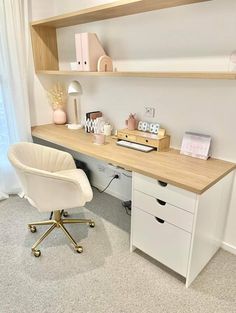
75, 90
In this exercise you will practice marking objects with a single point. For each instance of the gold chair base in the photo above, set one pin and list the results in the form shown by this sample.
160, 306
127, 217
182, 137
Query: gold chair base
58, 222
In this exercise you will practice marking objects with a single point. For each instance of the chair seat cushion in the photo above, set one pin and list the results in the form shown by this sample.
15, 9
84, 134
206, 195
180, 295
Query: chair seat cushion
82, 180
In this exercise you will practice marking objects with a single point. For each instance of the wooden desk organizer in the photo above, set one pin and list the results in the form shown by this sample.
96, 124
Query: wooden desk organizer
160, 142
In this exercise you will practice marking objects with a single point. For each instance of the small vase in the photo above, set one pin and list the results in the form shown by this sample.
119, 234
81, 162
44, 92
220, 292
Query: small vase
59, 117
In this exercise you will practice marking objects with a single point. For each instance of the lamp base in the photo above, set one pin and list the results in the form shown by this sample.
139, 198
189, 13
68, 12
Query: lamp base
74, 126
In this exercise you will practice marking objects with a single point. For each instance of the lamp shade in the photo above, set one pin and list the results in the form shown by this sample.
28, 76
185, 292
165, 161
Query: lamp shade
74, 88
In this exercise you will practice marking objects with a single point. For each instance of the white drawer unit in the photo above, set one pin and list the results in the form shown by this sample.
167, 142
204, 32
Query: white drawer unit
161, 190
168, 212
180, 229
165, 242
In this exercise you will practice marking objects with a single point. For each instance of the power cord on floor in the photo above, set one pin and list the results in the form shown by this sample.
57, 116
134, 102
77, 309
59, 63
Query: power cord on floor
101, 191
127, 205
127, 211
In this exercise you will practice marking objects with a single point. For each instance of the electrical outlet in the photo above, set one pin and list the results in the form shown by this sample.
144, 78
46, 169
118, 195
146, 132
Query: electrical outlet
118, 174
149, 112
113, 173
101, 168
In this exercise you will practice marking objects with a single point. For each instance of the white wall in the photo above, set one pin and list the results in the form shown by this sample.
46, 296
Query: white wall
199, 36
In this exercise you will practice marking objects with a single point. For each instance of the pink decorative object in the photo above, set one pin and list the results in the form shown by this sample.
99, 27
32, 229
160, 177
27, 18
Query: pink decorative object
88, 51
79, 52
196, 145
105, 64
59, 116
131, 122
99, 139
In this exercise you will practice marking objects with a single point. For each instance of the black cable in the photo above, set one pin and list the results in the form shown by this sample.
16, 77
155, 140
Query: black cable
101, 191
123, 203
127, 205
127, 212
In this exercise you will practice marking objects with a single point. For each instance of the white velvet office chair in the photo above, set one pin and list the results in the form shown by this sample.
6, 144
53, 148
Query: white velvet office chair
50, 182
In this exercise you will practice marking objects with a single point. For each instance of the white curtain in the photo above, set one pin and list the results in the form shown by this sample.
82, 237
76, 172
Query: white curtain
14, 106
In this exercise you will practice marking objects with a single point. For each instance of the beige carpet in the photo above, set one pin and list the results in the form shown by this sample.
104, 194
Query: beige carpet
106, 277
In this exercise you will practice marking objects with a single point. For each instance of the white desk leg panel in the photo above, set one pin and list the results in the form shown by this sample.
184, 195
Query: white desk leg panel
209, 222
209, 215
132, 247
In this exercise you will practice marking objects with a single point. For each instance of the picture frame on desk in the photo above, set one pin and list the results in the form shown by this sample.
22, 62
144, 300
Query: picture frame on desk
196, 145
92, 116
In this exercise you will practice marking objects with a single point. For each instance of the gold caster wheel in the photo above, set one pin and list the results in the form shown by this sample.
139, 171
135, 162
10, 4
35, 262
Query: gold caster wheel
79, 249
37, 253
92, 224
33, 229
65, 214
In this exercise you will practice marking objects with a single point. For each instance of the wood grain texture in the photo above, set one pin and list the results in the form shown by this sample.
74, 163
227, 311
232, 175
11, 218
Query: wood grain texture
145, 138
111, 10
182, 171
44, 45
194, 75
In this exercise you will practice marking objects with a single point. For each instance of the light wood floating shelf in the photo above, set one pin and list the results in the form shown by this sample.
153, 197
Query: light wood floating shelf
44, 38
111, 10
196, 75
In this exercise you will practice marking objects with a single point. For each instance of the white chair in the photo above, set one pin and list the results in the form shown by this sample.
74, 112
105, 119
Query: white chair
51, 182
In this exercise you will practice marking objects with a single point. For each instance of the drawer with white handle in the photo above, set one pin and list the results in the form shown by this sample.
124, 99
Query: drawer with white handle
163, 210
165, 242
166, 192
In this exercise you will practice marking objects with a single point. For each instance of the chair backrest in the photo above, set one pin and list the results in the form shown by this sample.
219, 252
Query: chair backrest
35, 166
25, 155
28, 157
19, 156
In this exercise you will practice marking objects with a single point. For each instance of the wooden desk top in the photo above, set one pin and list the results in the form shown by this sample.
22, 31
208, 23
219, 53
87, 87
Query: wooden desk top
182, 171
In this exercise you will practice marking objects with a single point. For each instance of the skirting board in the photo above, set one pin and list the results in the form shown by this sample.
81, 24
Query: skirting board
110, 192
227, 247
